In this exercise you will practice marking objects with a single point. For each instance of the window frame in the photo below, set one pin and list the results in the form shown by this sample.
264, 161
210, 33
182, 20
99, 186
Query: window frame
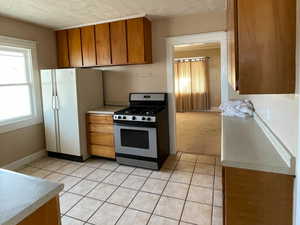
33, 81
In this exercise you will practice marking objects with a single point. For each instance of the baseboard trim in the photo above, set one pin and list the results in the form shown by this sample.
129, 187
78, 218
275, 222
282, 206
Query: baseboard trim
283, 151
26, 160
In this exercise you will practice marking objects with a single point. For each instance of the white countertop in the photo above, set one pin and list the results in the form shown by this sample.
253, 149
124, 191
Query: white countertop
21, 195
245, 145
107, 109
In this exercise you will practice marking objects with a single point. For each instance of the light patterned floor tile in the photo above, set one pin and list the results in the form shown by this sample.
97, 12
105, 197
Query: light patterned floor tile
169, 207
98, 175
181, 177
185, 166
70, 221
84, 208
176, 190
115, 178
41, 173
206, 159
189, 157
218, 171
107, 214
68, 169
134, 182
133, 217
55, 177
83, 171
125, 169
102, 191
218, 198
158, 220
142, 172
200, 194
94, 162
163, 174
218, 183
69, 182
205, 169
122, 196
217, 218
154, 186
145, 202
197, 213
109, 165
203, 180
83, 187
67, 201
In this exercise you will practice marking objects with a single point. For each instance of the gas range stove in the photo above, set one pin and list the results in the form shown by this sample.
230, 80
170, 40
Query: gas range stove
138, 113
142, 131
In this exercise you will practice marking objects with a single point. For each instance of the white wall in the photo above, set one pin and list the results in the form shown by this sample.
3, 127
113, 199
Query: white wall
120, 80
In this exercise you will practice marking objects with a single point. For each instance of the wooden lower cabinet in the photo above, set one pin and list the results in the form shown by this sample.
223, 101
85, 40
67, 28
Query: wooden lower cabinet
257, 198
101, 135
48, 214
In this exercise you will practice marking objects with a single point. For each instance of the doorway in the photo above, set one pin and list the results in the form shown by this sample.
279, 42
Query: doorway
195, 123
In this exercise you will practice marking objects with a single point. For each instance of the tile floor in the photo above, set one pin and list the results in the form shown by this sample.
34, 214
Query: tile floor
187, 190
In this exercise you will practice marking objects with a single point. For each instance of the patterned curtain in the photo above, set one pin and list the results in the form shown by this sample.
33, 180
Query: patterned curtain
191, 85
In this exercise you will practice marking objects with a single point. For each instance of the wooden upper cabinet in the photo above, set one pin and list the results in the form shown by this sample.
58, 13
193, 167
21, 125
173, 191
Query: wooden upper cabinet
62, 49
118, 42
88, 45
75, 52
103, 50
139, 41
266, 43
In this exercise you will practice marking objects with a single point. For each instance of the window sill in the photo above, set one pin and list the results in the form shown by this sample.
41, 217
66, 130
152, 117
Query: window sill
5, 128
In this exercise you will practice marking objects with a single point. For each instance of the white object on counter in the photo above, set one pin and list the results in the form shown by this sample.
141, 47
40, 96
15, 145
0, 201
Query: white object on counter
107, 109
245, 145
237, 108
22, 195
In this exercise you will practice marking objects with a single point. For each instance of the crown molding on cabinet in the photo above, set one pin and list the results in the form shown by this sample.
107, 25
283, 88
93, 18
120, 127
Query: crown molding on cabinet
106, 21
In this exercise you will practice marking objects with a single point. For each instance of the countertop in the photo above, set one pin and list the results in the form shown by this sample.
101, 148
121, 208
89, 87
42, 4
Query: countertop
246, 146
21, 195
107, 109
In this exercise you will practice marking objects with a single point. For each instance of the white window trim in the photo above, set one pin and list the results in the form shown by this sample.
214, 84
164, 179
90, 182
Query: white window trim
37, 116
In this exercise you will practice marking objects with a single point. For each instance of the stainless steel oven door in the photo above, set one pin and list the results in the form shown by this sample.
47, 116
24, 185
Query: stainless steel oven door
137, 141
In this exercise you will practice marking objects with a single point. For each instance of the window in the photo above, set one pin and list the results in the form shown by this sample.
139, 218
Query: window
19, 84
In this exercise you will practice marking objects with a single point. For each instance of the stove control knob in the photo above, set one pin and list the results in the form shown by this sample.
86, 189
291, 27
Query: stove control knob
119, 117
133, 118
124, 117
148, 118
143, 118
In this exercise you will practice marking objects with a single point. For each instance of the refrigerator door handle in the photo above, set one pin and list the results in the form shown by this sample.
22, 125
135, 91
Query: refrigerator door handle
53, 103
57, 102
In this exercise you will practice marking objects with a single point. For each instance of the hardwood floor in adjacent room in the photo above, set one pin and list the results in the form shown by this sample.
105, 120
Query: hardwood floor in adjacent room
199, 132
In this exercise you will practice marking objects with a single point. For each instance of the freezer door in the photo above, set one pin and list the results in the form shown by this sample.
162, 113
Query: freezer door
48, 93
67, 109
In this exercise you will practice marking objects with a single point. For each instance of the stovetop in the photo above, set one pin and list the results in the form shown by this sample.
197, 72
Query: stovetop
138, 113
141, 111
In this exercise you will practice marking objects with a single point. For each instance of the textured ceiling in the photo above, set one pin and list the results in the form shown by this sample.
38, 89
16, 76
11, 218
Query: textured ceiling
65, 13
183, 48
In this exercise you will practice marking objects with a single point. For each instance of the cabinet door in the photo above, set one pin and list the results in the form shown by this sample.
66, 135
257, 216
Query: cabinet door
50, 119
118, 42
68, 111
139, 41
102, 33
266, 46
88, 45
232, 44
62, 49
75, 52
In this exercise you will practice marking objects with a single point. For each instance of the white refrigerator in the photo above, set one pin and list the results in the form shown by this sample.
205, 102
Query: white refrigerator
67, 95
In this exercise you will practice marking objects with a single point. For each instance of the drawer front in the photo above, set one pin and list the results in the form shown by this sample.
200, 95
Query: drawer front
101, 139
100, 119
102, 128
103, 151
